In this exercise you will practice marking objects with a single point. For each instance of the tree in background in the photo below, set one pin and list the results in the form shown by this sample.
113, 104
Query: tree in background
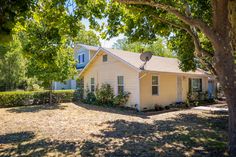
12, 67
46, 39
88, 38
156, 47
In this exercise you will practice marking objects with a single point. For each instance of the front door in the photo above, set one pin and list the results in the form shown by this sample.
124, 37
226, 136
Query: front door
211, 89
179, 89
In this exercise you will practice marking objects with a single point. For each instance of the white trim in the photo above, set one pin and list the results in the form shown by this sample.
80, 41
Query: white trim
138, 99
117, 84
89, 55
158, 85
92, 84
175, 73
177, 89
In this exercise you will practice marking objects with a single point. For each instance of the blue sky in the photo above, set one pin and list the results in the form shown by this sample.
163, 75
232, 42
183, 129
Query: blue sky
105, 43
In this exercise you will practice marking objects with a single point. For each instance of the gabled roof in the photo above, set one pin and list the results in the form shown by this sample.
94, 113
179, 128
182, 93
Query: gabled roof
88, 47
155, 64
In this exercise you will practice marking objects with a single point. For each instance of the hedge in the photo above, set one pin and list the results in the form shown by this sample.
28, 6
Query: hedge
24, 98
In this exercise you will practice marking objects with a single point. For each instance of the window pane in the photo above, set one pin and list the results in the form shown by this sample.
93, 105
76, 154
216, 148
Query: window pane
92, 88
154, 80
154, 90
120, 89
104, 58
92, 80
120, 80
196, 85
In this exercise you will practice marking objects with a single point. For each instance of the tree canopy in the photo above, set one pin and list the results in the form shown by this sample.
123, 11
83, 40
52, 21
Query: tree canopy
46, 39
11, 12
88, 38
156, 47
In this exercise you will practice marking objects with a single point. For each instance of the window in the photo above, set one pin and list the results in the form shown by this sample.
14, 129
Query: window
120, 83
81, 58
195, 84
104, 58
155, 85
92, 83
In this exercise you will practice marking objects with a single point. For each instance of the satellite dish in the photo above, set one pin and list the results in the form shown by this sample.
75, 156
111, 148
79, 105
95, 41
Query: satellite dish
145, 57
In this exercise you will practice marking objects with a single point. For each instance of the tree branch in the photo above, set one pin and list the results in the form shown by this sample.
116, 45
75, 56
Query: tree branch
199, 51
198, 48
187, 20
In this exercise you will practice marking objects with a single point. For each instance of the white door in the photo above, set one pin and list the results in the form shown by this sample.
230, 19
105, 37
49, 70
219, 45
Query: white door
179, 89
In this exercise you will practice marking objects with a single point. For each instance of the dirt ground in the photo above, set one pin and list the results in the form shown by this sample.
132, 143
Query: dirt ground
86, 130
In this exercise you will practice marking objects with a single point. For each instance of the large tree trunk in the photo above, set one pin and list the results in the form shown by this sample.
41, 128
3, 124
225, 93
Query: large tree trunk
224, 25
231, 94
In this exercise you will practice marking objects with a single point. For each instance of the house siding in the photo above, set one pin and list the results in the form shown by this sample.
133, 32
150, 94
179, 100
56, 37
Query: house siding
107, 72
167, 89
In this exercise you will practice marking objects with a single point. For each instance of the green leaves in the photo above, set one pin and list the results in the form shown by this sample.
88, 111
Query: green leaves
46, 43
11, 12
12, 66
157, 47
181, 43
88, 38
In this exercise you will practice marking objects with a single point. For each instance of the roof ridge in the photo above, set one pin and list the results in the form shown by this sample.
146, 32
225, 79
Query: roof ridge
137, 53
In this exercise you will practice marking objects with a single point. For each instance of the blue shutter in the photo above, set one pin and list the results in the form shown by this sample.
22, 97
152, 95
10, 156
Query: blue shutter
79, 59
82, 57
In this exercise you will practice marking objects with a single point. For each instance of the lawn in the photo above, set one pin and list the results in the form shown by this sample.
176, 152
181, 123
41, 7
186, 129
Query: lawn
84, 130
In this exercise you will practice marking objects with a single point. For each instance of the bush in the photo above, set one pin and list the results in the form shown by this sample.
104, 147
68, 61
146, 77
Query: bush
104, 95
90, 98
23, 98
121, 99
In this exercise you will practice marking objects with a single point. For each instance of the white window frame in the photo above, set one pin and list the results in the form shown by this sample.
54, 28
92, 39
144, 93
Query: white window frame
92, 84
118, 85
157, 85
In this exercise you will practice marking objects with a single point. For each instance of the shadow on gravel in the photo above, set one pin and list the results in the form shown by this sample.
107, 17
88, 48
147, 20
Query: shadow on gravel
185, 135
25, 144
36, 108
123, 110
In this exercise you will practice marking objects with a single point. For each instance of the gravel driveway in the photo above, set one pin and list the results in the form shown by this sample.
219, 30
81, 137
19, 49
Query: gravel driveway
85, 130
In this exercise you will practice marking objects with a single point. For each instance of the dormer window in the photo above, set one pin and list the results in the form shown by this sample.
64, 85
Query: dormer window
81, 58
104, 58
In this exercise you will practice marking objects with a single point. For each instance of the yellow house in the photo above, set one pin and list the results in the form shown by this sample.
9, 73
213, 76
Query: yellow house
161, 82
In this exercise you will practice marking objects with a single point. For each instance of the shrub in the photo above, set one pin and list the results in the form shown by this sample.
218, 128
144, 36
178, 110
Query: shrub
104, 95
121, 99
22, 98
90, 98
64, 96
158, 107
